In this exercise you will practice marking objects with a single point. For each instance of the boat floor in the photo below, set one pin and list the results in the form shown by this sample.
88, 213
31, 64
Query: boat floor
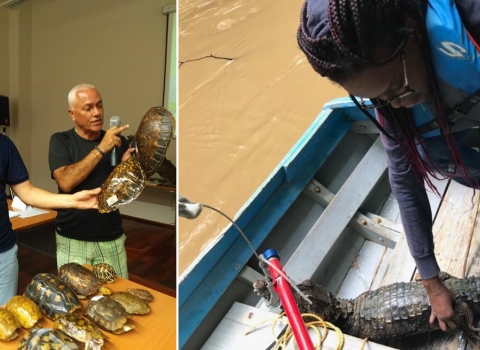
457, 247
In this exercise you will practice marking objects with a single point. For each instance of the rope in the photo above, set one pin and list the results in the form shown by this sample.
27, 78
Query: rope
286, 335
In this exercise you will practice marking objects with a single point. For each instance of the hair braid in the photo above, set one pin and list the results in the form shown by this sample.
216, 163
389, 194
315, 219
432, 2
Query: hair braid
366, 33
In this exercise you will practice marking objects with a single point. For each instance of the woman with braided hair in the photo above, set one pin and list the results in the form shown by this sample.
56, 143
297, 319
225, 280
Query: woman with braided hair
416, 63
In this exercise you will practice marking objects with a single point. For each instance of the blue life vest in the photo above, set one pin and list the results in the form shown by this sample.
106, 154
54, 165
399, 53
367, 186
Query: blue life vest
456, 63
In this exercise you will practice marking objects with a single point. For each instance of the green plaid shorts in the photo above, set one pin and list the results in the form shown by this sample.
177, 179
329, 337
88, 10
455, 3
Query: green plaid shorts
83, 252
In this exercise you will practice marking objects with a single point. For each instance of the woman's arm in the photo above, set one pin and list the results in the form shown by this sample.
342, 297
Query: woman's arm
37, 197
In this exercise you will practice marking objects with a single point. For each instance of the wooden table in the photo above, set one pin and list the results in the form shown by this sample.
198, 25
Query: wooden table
19, 224
157, 330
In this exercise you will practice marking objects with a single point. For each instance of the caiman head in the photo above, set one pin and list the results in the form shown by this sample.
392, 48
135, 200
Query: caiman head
324, 304
261, 288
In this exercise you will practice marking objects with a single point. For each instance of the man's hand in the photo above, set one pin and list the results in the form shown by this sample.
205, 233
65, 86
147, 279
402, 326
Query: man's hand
441, 299
86, 199
112, 138
127, 154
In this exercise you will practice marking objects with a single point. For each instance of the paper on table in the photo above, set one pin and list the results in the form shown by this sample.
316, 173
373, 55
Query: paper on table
12, 214
31, 212
18, 204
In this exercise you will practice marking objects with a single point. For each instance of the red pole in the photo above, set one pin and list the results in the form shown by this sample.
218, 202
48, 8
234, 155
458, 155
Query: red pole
282, 288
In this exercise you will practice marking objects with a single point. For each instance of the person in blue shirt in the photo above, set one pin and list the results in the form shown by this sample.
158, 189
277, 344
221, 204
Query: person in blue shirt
14, 174
415, 64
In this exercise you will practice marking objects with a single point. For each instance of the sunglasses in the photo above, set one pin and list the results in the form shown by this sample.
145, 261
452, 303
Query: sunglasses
378, 103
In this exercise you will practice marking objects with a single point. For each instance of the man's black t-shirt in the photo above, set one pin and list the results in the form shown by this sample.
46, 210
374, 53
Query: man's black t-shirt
87, 225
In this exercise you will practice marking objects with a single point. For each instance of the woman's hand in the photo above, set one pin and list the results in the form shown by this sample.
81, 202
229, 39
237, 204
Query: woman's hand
86, 199
441, 299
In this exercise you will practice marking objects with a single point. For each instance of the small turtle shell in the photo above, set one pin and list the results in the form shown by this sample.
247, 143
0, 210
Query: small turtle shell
52, 295
25, 310
133, 305
46, 338
104, 272
79, 278
107, 314
8, 325
141, 293
81, 329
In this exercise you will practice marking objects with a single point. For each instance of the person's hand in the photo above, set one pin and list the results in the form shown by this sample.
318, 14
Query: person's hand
86, 199
112, 138
441, 299
128, 153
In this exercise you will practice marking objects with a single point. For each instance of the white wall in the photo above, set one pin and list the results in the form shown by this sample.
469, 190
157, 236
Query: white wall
118, 46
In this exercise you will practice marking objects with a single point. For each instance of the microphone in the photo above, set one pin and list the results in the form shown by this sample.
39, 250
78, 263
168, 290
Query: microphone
114, 121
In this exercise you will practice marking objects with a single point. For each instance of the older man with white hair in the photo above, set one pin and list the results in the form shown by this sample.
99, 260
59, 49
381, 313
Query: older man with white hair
78, 160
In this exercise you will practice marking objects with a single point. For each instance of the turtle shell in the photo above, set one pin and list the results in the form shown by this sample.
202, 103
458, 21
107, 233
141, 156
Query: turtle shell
46, 338
123, 185
81, 329
52, 295
25, 310
104, 272
8, 325
108, 314
141, 293
131, 303
153, 137
79, 278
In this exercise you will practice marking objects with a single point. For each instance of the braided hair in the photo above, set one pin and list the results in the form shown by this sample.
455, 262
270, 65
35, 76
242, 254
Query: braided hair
372, 33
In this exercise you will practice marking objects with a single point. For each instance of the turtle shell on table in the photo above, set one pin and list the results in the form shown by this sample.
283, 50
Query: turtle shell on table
80, 329
46, 338
104, 272
25, 310
52, 295
141, 293
127, 180
81, 279
108, 314
8, 325
132, 304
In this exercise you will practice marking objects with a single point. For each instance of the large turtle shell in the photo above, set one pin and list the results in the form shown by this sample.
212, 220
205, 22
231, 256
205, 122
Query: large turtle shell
46, 338
52, 295
81, 329
8, 325
25, 310
79, 278
152, 138
124, 185
131, 303
108, 314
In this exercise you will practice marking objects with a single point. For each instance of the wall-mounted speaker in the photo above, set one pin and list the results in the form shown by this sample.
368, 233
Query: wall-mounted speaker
4, 111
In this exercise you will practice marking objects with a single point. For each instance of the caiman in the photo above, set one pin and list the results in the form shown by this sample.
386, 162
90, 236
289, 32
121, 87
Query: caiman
393, 311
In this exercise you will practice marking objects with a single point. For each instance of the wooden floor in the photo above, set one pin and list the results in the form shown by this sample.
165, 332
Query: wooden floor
151, 254
457, 247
